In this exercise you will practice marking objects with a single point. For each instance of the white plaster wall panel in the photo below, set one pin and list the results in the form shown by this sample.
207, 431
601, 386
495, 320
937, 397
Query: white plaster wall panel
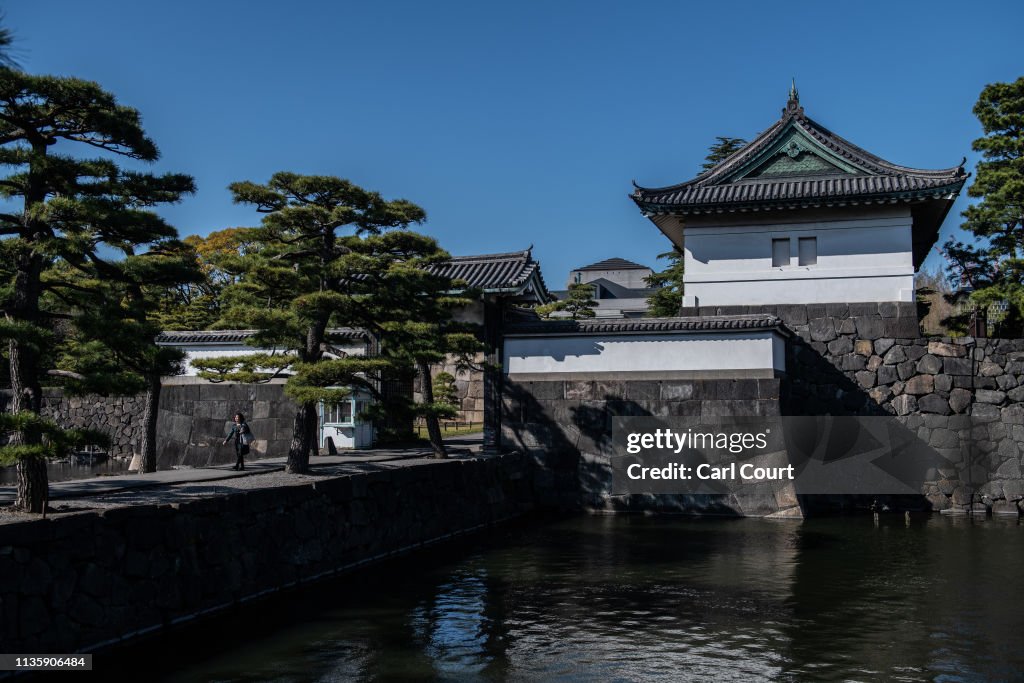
645, 353
866, 259
199, 351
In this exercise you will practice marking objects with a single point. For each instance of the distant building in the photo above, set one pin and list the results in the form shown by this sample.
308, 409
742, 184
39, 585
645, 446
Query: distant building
620, 287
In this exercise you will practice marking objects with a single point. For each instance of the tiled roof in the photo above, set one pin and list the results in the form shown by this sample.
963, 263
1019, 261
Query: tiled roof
525, 325
614, 264
236, 336
513, 273
846, 174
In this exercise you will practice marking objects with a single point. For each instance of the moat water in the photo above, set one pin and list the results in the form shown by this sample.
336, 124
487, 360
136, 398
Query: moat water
640, 598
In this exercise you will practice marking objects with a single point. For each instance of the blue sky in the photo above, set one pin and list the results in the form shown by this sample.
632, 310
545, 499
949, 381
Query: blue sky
519, 123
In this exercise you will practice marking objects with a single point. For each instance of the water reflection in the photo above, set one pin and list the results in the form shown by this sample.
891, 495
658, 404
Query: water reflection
66, 471
627, 598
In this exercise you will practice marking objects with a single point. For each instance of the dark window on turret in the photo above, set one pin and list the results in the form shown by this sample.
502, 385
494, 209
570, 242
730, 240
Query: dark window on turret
808, 251
780, 252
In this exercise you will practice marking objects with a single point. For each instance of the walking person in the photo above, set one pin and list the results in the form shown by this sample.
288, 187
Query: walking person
242, 435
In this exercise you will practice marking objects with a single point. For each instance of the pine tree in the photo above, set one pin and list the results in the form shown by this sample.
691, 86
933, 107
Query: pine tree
723, 148
73, 210
302, 279
412, 308
668, 299
115, 348
993, 267
578, 304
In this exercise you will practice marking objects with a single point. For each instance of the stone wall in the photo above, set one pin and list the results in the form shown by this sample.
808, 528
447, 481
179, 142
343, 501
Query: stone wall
191, 424
114, 415
194, 418
961, 396
566, 429
964, 397
469, 388
76, 581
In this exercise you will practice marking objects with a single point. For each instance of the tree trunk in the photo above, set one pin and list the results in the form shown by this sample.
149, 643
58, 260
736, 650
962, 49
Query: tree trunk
303, 429
433, 424
149, 418
27, 393
33, 488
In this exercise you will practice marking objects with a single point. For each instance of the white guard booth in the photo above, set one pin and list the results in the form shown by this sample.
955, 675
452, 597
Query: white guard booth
343, 425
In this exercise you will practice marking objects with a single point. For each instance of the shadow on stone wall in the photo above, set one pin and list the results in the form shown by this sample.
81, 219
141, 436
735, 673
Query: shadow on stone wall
566, 427
195, 418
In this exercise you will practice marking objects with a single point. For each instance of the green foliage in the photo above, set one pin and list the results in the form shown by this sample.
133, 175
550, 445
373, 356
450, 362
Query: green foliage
446, 397
328, 254
197, 304
578, 304
993, 267
53, 441
723, 148
82, 250
666, 302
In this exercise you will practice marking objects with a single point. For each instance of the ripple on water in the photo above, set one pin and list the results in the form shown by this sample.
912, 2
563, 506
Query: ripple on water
661, 600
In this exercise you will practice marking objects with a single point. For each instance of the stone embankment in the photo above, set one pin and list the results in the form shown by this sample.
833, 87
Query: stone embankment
964, 397
76, 581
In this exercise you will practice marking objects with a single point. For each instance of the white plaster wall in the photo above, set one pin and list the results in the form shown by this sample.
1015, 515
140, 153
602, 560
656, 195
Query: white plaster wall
859, 259
198, 351
645, 353
634, 278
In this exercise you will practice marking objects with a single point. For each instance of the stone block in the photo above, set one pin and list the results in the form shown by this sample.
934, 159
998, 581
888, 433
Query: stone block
579, 390
1016, 394
863, 347
794, 314
904, 404
943, 383
937, 348
870, 327
846, 326
643, 390
851, 362
865, 378
986, 412
888, 309
883, 345
906, 369
874, 362
943, 438
990, 369
933, 403
894, 356
901, 328
768, 388
816, 311
887, 374
544, 390
822, 329
989, 396
919, 385
880, 394
1013, 415
840, 346
678, 390
959, 399
837, 310
929, 364
957, 366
